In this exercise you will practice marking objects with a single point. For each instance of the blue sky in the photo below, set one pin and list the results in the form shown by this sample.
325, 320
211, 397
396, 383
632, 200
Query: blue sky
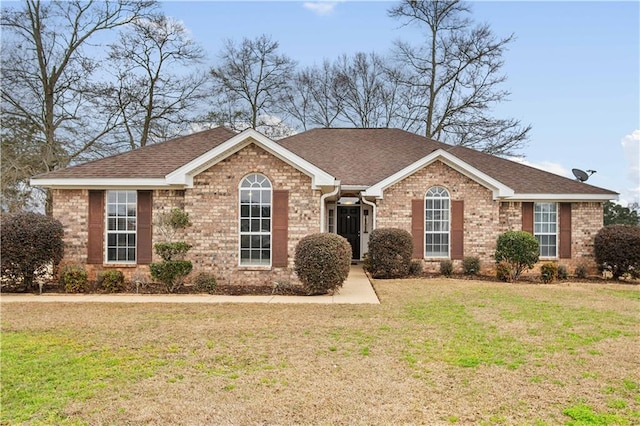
573, 71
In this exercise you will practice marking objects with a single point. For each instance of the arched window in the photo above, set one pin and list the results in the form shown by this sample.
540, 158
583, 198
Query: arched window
437, 222
255, 220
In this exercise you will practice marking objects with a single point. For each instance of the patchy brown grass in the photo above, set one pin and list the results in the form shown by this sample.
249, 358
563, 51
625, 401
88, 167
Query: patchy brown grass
435, 351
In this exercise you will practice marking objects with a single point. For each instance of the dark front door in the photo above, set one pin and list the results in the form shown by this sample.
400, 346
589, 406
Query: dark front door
349, 227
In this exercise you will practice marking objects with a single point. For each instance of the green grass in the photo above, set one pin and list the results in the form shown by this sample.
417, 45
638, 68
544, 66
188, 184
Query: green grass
43, 372
516, 354
459, 339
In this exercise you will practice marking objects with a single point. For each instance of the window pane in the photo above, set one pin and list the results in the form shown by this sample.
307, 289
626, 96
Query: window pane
255, 220
437, 222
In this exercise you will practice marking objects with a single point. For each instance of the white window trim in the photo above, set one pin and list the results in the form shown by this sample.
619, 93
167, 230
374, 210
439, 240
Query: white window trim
107, 232
424, 208
556, 234
254, 266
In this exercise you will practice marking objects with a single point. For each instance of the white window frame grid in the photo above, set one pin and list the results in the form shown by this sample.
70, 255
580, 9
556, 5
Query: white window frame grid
440, 218
545, 228
118, 207
255, 184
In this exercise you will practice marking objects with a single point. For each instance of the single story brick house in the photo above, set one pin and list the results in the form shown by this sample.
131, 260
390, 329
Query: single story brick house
251, 199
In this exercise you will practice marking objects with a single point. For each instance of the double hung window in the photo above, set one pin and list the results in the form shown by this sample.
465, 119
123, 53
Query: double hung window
437, 222
122, 224
545, 228
255, 221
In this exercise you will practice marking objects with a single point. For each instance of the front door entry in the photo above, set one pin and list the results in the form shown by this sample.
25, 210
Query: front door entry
349, 227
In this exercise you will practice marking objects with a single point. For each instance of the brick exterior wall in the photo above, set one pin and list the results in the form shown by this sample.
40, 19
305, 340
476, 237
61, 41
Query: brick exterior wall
480, 211
484, 218
213, 208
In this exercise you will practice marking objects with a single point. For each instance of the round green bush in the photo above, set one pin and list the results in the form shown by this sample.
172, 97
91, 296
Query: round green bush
31, 243
617, 249
74, 278
390, 251
171, 272
446, 268
471, 265
548, 272
517, 250
205, 282
322, 262
112, 280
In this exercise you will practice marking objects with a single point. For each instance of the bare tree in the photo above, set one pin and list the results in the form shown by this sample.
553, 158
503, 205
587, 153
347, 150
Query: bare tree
313, 100
367, 90
152, 95
22, 149
455, 77
46, 72
250, 81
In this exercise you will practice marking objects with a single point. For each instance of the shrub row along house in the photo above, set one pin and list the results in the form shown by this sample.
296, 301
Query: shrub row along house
251, 199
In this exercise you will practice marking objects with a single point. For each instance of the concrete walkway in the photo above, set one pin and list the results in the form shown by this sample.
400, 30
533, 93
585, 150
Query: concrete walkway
355, 290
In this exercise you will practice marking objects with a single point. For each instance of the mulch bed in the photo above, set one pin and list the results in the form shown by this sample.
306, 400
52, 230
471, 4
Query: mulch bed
228, 290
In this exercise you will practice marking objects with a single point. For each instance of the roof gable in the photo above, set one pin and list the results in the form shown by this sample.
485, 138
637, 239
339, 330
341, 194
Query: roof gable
499, 189
173, 163
184, 174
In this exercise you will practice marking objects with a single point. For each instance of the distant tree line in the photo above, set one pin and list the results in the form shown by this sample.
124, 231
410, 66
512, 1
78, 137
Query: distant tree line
86, 79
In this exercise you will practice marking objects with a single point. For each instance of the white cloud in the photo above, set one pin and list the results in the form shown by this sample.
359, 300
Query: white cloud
631, 147
320, 7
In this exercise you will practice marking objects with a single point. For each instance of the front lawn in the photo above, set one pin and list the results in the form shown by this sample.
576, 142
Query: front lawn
435, 351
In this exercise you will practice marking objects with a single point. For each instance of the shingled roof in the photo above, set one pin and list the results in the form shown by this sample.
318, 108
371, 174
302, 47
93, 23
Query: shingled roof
359, 157
151, 161
367, 156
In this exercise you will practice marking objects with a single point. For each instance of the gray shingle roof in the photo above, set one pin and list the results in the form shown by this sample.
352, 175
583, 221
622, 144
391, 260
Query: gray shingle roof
353, 156
367, 156
151, 161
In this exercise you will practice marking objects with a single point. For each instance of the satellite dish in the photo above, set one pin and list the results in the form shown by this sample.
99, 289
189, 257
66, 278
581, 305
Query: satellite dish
581, 175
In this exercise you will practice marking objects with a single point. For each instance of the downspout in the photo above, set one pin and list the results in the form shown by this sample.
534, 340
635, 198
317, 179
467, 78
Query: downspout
373, 208
323, 206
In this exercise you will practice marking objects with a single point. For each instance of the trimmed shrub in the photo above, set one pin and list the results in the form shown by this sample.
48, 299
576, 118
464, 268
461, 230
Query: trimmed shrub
390, 250
446, 268
503, 271
582, 271
563, 273
322, 262
205, 282
112, 280
415, 268
519, 250
471, 265
617, 250
171, 273
74, 278
548, 272
169, 251
31, 243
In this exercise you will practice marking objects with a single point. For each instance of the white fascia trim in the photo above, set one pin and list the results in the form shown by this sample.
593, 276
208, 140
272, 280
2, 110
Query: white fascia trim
499, 189
98, 183
561, 197
184, 175
354, 187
